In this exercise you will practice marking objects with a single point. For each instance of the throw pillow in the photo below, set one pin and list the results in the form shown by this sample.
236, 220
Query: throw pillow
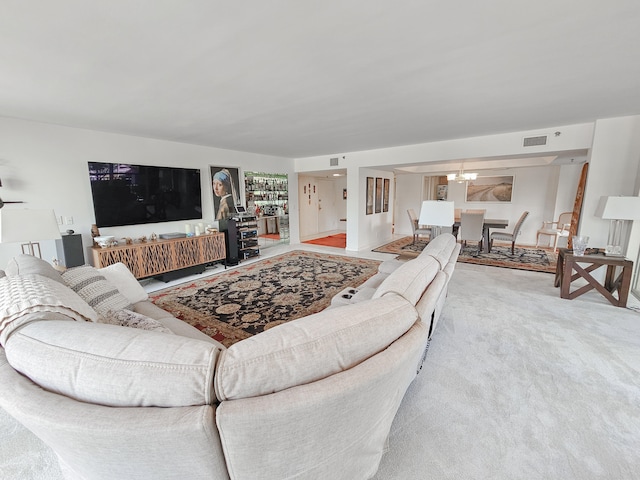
121, 277
94, 288
26, 264
127, 318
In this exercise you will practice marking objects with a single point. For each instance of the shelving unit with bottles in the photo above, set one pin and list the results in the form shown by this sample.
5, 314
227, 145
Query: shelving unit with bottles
268, 191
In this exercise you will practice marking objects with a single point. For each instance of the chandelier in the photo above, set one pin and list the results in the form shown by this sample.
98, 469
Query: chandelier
461, 177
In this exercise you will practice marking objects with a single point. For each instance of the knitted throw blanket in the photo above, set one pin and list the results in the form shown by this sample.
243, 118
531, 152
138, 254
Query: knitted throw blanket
25, 294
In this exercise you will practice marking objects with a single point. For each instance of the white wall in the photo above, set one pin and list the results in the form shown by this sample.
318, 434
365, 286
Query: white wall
46, 166
339, 202
613, 170
408, 195
375, 229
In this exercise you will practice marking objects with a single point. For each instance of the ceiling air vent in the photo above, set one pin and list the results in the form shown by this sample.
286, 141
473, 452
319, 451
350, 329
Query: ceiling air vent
333, 162
535, 141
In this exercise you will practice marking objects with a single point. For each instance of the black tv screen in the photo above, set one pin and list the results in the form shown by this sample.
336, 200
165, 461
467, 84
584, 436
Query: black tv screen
125, 194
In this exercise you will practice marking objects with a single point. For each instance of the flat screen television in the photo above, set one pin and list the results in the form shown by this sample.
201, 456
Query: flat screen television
125, 194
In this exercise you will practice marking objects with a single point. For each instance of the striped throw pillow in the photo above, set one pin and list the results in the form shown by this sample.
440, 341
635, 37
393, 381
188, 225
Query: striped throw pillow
102, 295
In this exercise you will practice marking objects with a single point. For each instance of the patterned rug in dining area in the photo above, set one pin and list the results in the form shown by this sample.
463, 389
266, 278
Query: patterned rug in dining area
247, 300
523, 258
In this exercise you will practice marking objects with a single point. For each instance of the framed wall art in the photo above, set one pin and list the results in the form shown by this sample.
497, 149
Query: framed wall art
378, 195
225, 186
369, 196
385, 195
490, 189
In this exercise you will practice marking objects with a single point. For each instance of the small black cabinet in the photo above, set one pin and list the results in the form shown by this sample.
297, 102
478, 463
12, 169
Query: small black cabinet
69, 250
241, 238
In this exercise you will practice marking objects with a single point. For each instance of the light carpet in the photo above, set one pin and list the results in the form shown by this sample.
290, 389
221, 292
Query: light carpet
517, 384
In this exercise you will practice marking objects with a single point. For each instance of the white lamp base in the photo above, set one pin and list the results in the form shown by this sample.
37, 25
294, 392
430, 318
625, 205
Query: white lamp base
613, 251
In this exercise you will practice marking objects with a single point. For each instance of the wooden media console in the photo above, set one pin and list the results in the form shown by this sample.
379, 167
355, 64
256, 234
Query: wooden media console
160, 257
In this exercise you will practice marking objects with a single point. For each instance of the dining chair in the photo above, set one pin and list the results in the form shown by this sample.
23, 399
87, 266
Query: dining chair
558, 229
476, 210
471, 228
417, 229
509, 237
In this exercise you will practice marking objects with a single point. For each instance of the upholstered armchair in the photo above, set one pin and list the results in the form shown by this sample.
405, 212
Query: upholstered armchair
558, 229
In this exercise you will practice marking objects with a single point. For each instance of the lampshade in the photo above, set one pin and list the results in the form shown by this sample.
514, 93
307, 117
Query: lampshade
619, 208
437, 212
22, 225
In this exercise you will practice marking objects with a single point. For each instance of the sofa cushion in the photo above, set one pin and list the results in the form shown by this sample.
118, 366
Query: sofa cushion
28, 264
131, 319
176, 326
93, 287
427, 304
115, 366
410, 280
119, 275
311, 348
440, 248
24, 294
389, 266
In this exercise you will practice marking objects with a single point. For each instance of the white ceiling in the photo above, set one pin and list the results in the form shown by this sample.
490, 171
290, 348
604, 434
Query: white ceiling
299, 78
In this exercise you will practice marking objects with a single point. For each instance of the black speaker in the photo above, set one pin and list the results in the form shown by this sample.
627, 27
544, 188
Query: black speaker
230, 230
69, 249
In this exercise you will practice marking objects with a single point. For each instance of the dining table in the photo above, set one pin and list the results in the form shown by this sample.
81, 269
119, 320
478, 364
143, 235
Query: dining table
488, 224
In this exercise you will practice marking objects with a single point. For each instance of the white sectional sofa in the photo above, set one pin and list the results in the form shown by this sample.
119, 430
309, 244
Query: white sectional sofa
313, 398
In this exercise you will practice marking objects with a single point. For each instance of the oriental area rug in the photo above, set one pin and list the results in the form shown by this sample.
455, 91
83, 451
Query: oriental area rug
534, 259
247, 300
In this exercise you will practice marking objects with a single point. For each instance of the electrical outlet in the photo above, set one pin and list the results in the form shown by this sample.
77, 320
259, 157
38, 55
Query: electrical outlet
69, 220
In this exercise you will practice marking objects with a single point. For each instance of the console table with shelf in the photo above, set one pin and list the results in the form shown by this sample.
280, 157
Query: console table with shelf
167, 259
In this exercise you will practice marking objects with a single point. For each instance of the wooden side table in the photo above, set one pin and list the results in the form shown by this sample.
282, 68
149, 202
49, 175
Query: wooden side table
568, 262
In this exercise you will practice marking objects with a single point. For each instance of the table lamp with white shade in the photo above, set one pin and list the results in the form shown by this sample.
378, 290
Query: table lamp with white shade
28, 226
437, 214
620, 211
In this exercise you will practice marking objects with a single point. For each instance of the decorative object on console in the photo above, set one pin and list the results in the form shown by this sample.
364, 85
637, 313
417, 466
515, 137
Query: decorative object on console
105, 241
26, 225
619, 210
436, 214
